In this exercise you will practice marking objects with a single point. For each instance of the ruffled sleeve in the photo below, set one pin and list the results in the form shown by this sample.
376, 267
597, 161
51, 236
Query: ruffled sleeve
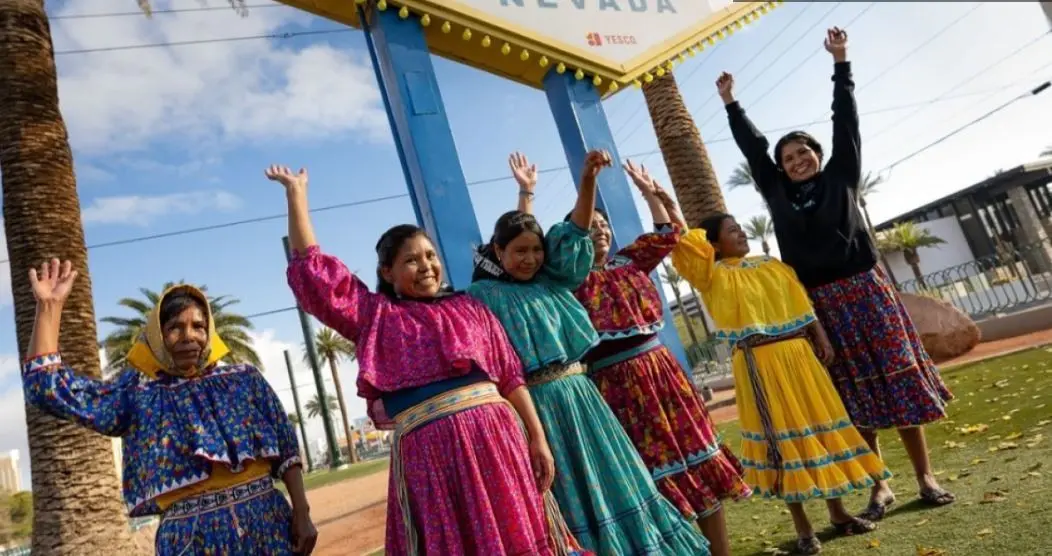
106, 407
506, 367
268, 403
569, 255
325, 288
648, 250
694, 259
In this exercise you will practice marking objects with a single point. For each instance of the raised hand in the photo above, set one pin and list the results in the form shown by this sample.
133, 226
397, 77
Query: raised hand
836, 43
671, 207
53, 282
725, 87
287, 178
641, 178
594, 163
524, 172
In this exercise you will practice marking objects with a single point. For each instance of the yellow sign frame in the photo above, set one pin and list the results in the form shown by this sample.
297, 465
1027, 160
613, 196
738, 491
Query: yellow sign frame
471, 37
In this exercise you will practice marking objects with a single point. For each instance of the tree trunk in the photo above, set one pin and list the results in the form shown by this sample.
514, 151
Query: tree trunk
351, 448
766, 248
913, 259
77, 506
689, 167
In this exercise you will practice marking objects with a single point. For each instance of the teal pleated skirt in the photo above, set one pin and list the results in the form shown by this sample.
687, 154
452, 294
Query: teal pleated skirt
606, 494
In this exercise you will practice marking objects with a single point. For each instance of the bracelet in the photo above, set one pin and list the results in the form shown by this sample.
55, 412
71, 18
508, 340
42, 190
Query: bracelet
524, 193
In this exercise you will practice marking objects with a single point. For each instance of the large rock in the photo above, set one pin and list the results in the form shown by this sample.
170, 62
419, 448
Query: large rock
944, 329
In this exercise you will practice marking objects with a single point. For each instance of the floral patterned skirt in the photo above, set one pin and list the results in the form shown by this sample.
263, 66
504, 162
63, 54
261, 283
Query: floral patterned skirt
244, 520
671, 429
882, 372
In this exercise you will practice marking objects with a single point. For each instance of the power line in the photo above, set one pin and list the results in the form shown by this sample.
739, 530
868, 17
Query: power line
140, 13
260, 219
288, 35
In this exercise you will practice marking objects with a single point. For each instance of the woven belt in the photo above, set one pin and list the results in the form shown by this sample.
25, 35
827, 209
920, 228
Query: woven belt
551, 373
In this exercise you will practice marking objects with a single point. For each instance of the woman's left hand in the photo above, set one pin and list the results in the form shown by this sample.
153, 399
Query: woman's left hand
824, 350
641, 178
304, 535
543, 463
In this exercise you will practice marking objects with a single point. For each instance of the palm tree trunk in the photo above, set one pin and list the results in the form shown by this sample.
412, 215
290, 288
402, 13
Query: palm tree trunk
77, 506
689, 167
351, 448
766, 247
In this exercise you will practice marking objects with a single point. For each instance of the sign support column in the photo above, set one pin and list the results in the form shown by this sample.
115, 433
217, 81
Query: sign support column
406, 76
583, 127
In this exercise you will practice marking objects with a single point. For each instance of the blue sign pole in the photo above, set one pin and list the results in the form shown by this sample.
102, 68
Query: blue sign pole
583, 127
436, 182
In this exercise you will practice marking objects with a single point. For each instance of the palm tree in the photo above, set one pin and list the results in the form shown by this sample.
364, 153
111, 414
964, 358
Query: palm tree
332, 347
689, 168
908, 238
77, 506
760, 228
675, 280
741, 177
231, 327
313, 406
1047, 151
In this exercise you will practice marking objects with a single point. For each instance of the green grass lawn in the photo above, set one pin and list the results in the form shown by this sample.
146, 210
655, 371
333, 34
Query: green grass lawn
319, 479
991, 453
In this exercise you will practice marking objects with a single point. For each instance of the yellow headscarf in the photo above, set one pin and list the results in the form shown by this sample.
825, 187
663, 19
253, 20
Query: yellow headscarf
150, 356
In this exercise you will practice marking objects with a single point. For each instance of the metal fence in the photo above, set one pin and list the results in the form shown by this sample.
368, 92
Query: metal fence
1011, 280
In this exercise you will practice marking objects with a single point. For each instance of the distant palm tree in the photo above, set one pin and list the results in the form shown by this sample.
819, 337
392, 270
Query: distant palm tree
908, 238
313, 407
294, 419
232, 328
741, 177
674, 279
1047, 151
332, 347
760, 228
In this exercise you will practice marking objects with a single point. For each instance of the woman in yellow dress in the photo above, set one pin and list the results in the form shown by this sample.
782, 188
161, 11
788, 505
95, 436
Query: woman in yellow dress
782, 388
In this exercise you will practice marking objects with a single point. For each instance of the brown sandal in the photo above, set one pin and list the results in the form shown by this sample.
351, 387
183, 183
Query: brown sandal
854, 526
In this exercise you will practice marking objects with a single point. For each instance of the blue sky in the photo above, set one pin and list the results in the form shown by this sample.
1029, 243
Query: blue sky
177, 137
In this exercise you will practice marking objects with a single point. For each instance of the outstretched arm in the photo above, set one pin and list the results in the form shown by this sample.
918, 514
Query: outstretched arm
526, 176
301, 231
751, 141
845, 162
583, 211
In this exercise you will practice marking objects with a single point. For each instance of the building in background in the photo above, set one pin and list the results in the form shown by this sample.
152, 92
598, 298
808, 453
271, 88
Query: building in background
10, 480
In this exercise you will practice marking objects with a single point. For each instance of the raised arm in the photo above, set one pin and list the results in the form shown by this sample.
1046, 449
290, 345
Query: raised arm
106, 407
695, 259
321, 283
751, 141
584, 210
526, 176
568, 254
648, 250
845, 162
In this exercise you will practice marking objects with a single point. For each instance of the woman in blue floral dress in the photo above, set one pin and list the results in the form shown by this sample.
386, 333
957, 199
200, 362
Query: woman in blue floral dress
527, 278
203, 443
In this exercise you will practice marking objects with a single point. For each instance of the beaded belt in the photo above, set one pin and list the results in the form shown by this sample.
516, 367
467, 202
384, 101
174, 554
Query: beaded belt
746, 345
211, 501
554, 372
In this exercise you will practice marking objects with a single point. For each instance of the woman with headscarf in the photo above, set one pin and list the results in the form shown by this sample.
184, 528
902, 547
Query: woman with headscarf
435, 366
528, 278
203, 442
639, 377
881, 369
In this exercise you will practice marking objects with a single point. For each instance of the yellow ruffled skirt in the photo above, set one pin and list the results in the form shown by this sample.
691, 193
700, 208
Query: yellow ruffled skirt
823, 455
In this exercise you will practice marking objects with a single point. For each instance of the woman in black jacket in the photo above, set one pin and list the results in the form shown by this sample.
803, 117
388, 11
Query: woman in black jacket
881, 371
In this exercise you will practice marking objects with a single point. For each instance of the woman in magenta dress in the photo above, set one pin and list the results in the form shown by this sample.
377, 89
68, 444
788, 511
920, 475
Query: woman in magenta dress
639, 377
435, 366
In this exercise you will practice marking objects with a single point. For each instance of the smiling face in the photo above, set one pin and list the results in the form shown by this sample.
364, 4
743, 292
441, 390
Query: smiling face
732, 242
186, 336
416, 270
600, 234
800, 161
523, 256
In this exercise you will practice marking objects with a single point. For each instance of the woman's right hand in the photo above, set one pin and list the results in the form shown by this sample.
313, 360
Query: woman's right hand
53, 282
594, 163
543, 463
725, 86
291, 181
646, 184
525, 173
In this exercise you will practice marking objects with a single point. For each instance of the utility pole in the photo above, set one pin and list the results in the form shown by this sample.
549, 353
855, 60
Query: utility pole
319, 381
1047, 8
299, 411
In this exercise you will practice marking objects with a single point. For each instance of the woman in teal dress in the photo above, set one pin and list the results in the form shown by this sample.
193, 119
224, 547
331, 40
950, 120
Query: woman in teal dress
528, 278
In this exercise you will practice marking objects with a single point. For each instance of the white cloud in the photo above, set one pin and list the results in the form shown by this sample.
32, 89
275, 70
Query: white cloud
228, 92
5, 270
141, 210
89, 173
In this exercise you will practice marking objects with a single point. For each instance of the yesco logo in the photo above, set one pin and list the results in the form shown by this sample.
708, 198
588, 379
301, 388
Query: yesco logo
657, 6
594, 39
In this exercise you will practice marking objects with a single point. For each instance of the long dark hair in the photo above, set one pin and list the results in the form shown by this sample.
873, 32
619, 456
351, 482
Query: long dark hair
387, 249
712, 226
509, 226
792, 136
178, 301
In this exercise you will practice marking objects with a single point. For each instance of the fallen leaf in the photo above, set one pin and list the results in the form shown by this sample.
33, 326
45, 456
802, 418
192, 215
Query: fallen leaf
922, 551
993, 497
1014, 436
939, 473
951, 478
972, 429
1035, 467
977, 461
1007, 446
950, 445
1001, 383
1043, 423
921, 522
1035, 474
1006, 418
984, 532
